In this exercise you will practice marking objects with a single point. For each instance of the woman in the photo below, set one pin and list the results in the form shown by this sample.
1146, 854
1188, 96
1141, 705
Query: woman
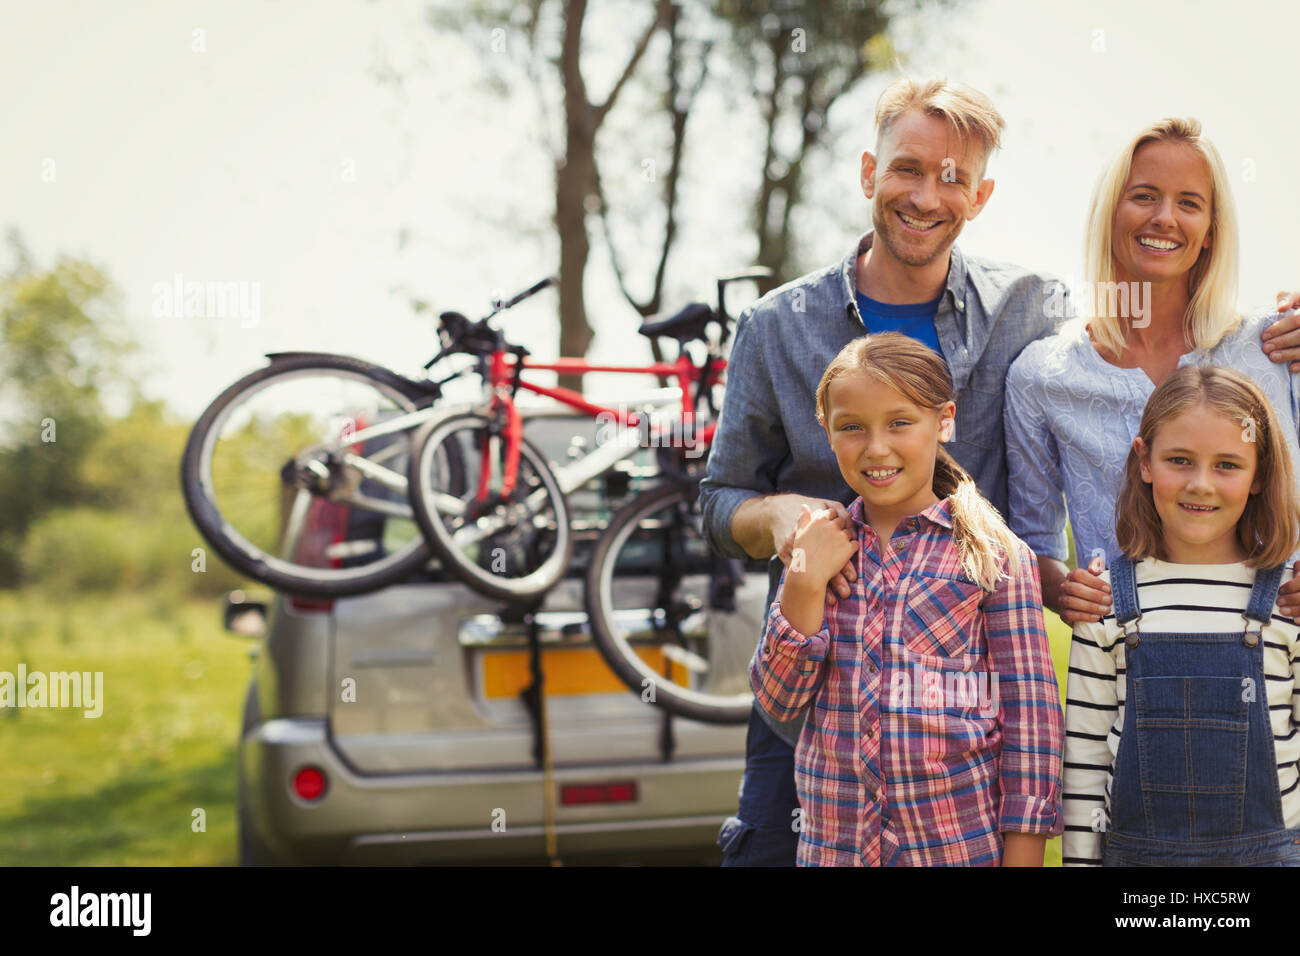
1162, 227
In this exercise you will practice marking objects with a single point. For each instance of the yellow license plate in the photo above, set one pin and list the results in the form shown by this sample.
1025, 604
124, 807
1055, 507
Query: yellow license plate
566, 670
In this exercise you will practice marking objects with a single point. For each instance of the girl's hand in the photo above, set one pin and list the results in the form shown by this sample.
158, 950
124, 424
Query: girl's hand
840, 585
821, 548
1023, 849
1084, 596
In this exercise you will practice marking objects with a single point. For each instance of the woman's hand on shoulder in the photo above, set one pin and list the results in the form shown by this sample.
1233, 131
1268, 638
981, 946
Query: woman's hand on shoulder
1084, 596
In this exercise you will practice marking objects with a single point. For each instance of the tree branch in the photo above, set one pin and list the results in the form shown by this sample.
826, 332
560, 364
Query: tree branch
530, 67
661, 15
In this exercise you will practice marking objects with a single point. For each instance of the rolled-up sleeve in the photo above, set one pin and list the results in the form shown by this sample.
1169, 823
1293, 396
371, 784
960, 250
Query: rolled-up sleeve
1035, 485
1030, 706
749, 444
787, 671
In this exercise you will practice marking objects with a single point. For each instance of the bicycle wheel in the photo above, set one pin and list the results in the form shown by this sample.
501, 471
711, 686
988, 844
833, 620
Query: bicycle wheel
511, 548
663, 615
284, 476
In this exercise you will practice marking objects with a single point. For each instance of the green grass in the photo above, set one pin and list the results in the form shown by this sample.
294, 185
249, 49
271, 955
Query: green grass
1058, 634
120, 789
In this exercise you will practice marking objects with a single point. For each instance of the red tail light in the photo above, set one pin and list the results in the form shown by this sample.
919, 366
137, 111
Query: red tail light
621, 791
314, 605
309, 783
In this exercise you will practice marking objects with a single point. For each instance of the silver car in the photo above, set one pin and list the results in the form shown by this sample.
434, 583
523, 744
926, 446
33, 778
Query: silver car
395, 727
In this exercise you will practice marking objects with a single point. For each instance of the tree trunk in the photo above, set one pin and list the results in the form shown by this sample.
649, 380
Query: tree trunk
575, 181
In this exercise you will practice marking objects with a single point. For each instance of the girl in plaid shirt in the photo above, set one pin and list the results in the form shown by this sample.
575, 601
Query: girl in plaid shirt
935, 733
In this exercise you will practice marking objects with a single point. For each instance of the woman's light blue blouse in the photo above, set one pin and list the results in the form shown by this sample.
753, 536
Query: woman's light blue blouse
1071, 418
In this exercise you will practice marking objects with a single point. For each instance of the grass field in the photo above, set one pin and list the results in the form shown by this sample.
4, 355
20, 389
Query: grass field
121, 789
1058, 632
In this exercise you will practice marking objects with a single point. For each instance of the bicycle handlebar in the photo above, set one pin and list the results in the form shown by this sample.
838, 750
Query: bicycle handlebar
753, 272
515, 300
460, 334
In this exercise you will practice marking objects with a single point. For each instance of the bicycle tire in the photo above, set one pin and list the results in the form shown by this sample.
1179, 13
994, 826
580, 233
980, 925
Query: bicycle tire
245, 556
618, 651
492, 582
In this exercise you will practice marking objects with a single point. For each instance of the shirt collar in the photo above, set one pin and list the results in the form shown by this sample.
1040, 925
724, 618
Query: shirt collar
939, 513
955, 289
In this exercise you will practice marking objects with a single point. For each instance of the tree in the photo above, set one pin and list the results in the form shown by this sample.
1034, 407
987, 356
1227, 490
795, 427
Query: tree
808, 55
61, 349
797, 61
577, 189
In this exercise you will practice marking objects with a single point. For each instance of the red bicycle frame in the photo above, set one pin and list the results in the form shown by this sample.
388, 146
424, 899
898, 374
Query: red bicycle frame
502, 376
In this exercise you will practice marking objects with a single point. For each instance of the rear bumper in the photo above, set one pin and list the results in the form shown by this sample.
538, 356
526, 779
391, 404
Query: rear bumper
476, 817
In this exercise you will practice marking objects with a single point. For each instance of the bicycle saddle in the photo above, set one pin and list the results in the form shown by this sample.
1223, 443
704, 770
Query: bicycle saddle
459, 334
685, 326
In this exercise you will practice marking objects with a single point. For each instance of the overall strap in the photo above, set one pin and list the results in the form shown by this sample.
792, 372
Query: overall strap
1123, 587
1262, 597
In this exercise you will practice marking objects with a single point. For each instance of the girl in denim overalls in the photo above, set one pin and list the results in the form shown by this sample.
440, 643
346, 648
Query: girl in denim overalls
1168, 723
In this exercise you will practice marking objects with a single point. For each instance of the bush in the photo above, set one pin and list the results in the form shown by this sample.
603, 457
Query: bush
77, 550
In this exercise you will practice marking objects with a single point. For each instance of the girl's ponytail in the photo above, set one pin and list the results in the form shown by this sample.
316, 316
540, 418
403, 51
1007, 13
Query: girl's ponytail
985, 544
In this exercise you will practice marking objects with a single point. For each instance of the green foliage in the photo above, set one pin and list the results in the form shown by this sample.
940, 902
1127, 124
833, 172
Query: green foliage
73, 551
134, 463
835, 35
61, 350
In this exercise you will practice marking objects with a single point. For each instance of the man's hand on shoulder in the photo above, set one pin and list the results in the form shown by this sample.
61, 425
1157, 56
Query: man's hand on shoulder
1288, 595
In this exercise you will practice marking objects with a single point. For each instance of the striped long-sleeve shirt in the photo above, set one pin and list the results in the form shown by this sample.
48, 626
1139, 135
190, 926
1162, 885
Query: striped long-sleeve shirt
935, 722
1175, 598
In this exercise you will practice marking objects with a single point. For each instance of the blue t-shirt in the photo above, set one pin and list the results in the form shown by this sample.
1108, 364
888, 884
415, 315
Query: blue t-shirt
915, 320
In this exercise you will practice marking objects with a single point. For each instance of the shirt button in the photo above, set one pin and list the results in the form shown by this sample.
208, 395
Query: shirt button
872, 668
911, 524
871, 795
900, 545
870, 733
960, 305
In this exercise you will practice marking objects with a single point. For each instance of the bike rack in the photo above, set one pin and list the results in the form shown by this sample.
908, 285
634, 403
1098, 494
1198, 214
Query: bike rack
534, 700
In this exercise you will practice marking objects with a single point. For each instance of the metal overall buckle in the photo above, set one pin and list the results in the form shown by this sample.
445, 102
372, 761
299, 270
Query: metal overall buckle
1251, 638
1131, 639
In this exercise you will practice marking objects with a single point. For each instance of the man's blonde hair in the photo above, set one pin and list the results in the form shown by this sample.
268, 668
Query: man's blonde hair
1211, 282
968, 111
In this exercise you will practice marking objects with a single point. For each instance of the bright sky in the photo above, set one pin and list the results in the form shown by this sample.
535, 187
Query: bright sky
265, 150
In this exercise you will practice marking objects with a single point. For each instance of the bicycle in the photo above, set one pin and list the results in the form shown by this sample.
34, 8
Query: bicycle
510, 491
652, 564
329, 438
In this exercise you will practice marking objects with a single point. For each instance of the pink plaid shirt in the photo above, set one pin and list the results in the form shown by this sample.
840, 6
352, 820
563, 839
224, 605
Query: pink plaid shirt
936, 721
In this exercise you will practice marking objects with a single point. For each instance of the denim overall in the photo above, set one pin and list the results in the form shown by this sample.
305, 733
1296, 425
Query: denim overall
1195, 779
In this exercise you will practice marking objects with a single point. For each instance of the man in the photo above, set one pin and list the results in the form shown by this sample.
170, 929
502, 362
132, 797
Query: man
770, 456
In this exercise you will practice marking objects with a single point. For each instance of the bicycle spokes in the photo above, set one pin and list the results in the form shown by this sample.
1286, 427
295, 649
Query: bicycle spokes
506, 522
300, 472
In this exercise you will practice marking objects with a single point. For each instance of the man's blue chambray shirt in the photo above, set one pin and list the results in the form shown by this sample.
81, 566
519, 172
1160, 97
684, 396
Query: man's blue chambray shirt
768, 439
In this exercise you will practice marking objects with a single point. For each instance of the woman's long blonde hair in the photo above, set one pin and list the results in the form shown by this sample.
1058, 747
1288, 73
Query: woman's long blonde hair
1269, 528
1211, 282
984, 542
